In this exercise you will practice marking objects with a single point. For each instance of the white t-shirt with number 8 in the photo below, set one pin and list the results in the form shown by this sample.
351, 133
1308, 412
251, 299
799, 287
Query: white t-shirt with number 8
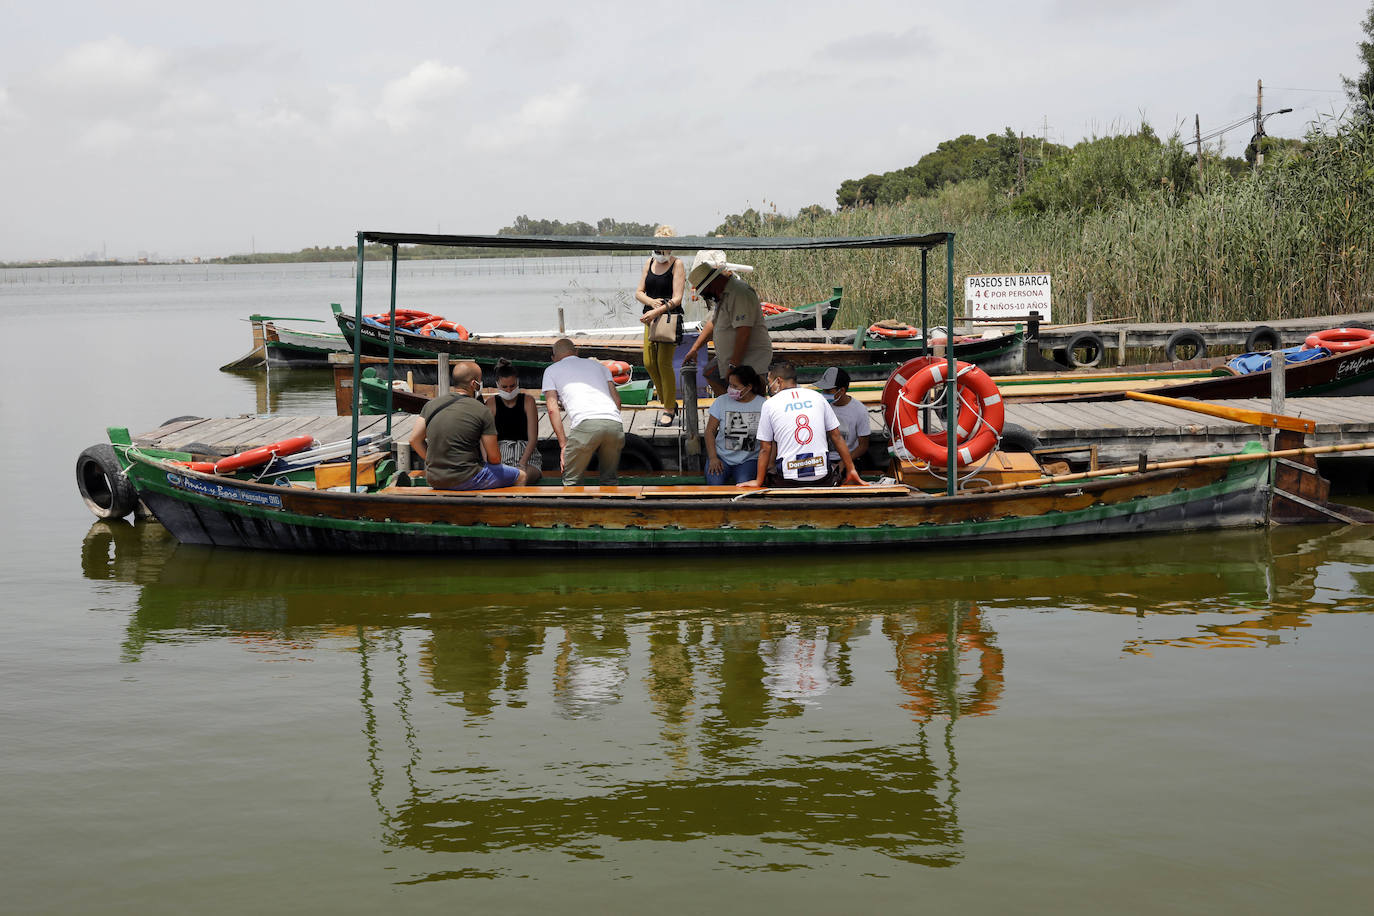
798, 422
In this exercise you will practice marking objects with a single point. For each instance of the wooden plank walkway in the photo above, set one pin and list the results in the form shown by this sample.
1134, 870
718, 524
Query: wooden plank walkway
1121, 429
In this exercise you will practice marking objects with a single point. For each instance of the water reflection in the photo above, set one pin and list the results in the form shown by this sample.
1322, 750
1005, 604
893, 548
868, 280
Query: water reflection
797, 709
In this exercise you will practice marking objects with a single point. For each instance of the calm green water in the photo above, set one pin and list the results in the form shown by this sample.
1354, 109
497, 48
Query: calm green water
1165, 724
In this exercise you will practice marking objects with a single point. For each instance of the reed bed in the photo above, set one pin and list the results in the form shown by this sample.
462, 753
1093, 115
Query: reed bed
1294, 240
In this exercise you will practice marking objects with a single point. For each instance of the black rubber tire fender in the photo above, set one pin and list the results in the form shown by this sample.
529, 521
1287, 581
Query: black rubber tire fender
102, 484
1090, 342
180, 420
1185, 337
1262, 339
1016, 438
639, 455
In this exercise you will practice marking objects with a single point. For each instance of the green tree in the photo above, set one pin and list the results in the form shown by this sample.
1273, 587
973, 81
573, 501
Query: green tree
1361, 88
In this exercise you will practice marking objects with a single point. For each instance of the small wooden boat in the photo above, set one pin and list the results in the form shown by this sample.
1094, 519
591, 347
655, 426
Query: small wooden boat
202, 508
277, 346
1001, 354
381, 510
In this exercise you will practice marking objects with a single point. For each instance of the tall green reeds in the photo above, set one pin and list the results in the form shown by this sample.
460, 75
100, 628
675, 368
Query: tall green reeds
1295, 239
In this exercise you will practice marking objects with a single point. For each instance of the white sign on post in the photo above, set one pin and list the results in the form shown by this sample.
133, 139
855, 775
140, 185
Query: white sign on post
1009, 296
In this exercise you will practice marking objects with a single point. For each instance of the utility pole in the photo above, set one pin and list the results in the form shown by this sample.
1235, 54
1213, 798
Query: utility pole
1044, 132
1021, 164
1259, 122
1197, 133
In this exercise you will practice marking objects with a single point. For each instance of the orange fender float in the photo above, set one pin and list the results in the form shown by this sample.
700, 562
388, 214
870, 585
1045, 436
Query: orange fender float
772, 308
1339, 340
263, 454
978, 426
894, 332
442, 325
619, 369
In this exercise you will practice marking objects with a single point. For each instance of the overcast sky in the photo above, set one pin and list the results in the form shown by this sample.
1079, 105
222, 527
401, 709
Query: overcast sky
207, 129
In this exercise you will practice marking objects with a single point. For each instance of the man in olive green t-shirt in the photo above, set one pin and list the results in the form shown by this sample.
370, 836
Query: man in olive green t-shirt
456, 435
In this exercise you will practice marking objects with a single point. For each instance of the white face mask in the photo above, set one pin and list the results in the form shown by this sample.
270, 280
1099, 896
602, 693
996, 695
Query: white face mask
660, 258
508, 395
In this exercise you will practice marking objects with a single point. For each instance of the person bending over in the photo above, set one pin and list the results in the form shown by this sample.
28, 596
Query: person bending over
584, 411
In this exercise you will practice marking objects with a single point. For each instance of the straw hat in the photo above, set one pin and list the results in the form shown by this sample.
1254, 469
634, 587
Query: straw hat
706, 266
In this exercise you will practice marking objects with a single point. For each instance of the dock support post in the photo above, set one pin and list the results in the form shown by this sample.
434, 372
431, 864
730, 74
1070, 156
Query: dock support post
1278, 383
561, 330
443, 379
820, 315
1121, 347
692, 453
1088, 308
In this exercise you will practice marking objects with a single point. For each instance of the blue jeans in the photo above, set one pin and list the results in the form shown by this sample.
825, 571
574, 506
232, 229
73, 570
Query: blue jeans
490, 477
733, 473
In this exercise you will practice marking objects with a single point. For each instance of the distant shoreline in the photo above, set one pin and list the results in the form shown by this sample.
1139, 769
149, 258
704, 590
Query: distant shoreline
317, 256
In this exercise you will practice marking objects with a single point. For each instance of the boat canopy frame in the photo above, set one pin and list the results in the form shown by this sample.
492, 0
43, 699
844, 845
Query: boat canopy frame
925, 243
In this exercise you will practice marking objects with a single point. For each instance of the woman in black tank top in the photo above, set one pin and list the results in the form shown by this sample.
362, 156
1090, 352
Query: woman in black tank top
660, 291
517, 423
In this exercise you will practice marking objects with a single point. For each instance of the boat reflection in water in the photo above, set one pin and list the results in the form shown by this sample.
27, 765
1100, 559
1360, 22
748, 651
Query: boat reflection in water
567, 705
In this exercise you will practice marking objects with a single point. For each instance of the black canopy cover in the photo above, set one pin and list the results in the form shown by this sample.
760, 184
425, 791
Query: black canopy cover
646, 243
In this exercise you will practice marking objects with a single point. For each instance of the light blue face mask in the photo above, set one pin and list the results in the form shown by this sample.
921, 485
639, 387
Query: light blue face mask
829, 398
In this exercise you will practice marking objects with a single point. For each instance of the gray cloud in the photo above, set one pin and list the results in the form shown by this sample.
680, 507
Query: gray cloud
880, 46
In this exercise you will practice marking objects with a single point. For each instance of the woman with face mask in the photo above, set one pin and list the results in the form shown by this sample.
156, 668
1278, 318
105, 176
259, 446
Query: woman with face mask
660, 291
732, 447
517, 422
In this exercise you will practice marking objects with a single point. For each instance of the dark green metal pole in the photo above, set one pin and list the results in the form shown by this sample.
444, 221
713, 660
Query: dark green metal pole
925, 322
357, 370
951, 391
391, 342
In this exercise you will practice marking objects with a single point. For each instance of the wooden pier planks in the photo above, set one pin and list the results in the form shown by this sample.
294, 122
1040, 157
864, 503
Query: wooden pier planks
1121, 430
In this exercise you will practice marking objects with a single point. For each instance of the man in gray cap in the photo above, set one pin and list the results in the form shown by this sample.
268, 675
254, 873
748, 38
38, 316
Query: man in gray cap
855, 424
736, 322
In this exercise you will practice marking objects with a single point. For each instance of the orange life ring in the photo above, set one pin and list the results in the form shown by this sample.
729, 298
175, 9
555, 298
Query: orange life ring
443, 325
619, 369
981, 415
204, 467
904, 332
263, 454
1339, 340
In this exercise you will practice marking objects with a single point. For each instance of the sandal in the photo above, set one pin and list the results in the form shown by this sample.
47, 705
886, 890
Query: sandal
667, 419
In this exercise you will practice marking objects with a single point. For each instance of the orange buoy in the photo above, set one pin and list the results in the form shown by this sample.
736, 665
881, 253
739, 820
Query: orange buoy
979, 424
619, 369
263, 454
894, 332
1339, 340
444, 325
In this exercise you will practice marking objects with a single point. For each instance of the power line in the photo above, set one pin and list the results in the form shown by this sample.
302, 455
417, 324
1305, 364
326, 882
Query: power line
1295, 89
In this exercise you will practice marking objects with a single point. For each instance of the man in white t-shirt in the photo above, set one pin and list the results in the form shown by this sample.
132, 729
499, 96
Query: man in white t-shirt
852, 413
583, 390
793, 429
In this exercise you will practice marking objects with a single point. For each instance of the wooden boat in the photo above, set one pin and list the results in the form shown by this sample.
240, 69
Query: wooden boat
382, 510
202, 508
1001, 354
277, 346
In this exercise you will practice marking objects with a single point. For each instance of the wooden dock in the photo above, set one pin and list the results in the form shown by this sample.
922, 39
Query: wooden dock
1120, 430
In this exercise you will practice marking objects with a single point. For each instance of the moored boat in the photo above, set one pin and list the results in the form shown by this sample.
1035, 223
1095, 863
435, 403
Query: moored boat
383, 510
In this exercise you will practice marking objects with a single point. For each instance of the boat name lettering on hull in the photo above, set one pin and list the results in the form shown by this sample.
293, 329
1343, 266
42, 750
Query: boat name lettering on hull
220, 491
1354, 366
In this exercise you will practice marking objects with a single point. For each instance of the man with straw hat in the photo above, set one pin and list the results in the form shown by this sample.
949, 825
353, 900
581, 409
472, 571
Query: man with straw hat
736, 322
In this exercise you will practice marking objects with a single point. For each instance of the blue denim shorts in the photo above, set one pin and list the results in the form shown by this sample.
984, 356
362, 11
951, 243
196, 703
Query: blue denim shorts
490, 477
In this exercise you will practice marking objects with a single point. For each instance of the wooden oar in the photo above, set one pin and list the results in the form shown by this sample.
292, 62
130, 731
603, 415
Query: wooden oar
1180, 463
1239, 414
